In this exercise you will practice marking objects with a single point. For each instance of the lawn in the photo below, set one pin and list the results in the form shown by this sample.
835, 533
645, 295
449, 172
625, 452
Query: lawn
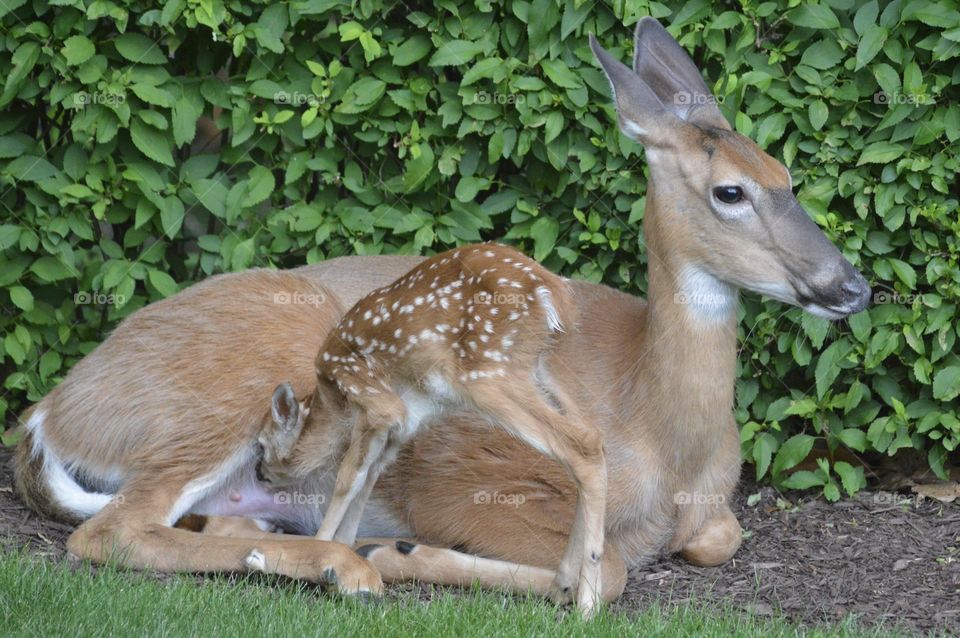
45, 598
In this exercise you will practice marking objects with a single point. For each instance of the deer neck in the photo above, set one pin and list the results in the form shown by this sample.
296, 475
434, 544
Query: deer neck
686, 346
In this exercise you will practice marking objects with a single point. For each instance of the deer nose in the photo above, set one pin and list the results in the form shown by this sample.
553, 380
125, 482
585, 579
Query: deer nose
856, 291
855, 288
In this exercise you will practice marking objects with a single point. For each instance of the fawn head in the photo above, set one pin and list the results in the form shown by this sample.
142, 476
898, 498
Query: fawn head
297, 437
717, 203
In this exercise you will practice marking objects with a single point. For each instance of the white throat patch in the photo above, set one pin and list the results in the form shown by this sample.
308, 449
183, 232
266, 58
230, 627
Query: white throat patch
704, 296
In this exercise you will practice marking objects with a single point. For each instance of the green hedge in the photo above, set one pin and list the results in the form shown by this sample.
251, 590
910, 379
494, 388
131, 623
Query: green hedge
381, 126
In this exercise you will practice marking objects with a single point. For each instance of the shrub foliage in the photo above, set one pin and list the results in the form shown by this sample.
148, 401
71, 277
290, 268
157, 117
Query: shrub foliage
380, 126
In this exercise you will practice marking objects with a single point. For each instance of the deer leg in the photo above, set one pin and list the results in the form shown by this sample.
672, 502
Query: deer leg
347, 532
366, 447
135, 534
405, 560
234, 527
716, 541
520, 409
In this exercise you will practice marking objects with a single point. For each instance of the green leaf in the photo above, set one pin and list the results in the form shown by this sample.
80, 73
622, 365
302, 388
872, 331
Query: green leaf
155, 144
870, 45
77, 49
242, 256
802, 407
455, 53
212, 194
861, 325
50, 269
771, 129
139, 49
21, 298
866, 16
763, 448
792, 451
185, 115
14, 349
816, 328
560, 74
822, 55
905, 272
413, 50
818, 114
880, 153
163, 282
418, 168
50, 362
854, 438
828, 367
831, 492
468, 187
814, 16
850, 477
29, 168
260, 185
362, 94
171, 216
151, 94
946, 384
544, 232
553, 126
802, 480
154, 119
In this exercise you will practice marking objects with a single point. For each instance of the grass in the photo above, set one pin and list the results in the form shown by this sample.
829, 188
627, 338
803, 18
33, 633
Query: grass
43, 598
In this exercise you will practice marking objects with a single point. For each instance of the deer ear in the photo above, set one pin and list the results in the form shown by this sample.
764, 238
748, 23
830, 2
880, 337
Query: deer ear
285, 408
642, 115
663, 65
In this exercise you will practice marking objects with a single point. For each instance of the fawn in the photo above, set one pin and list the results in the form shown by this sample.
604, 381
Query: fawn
470, 327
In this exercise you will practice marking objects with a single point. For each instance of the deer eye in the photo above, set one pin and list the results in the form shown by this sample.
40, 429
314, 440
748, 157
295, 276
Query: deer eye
728, 194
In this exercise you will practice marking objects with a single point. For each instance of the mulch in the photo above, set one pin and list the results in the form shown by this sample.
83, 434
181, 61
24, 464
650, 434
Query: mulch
888, 559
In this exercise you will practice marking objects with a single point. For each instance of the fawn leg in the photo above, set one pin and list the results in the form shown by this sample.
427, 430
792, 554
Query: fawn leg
520, 409
347, 533
366, 446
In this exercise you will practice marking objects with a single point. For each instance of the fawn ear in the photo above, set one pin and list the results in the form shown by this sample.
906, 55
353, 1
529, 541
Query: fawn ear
285, 408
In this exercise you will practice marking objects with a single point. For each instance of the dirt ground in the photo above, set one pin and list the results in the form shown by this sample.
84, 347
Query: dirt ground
885, 558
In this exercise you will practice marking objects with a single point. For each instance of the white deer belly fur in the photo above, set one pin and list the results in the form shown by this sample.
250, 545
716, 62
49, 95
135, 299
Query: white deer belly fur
425, 405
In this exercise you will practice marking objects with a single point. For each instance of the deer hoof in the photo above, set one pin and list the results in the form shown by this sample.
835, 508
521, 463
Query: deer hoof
256, 561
